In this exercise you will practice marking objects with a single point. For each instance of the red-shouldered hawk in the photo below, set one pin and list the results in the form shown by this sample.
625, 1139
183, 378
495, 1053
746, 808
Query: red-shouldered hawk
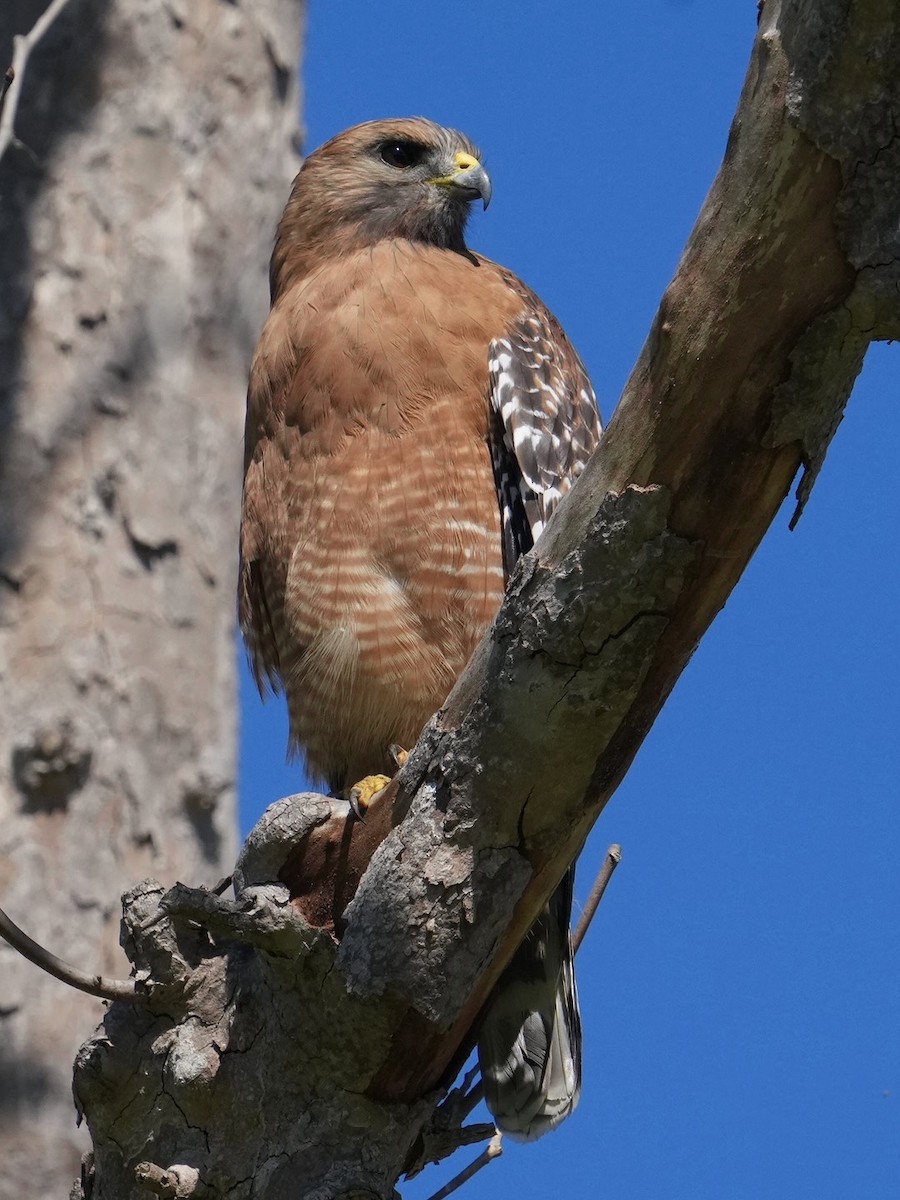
414, 415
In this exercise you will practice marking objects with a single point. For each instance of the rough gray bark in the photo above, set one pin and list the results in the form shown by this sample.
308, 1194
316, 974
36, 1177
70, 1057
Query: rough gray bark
792, 269
133, 247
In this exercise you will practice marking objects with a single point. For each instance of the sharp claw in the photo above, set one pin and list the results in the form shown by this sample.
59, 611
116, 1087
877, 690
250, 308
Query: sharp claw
362, 794
355, 806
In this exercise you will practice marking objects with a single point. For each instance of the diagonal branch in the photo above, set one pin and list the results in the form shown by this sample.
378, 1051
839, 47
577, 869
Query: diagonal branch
8, 77
23, 45
791, 270
601, 883
491, 1151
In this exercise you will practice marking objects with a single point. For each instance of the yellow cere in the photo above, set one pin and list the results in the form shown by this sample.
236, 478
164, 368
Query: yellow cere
465, 161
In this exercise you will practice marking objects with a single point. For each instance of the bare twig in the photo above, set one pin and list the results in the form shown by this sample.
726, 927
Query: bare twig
8, 76
465, 1103
459, 1096
444, 1138
95, 985
23, 44
492, 1150
457, 1105
604, 875
470, 1077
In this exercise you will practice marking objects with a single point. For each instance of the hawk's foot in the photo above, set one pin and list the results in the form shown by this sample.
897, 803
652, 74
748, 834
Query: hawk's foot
363, 793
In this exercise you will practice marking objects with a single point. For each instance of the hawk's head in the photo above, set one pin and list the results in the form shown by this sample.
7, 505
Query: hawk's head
405, 178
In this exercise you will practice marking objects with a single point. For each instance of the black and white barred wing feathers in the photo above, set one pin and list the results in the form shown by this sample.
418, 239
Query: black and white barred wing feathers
529, 1044
545, 424
544, 428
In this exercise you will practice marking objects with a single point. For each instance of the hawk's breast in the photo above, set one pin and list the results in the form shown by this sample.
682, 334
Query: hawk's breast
379, 522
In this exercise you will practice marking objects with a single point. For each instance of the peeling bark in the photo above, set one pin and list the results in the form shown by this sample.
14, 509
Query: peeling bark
791, 270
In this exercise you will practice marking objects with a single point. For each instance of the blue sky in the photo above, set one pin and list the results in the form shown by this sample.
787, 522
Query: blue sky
741, 985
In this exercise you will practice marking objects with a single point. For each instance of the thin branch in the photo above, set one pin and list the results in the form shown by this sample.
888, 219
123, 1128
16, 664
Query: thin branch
8, 76
23, 44
465, 1104
604, 875
95, 985
459, 1095
470, 1077
492, 1150
444, 1138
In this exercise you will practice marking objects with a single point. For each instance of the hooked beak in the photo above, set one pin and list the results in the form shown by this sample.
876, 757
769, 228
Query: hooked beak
468, 178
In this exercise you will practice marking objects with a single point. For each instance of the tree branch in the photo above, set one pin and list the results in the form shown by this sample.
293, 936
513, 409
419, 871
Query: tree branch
94, 985
493, 1150
23, 45
791, 270
8, 77
601, 883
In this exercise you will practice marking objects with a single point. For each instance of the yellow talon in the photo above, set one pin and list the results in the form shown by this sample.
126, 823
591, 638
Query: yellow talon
363, 793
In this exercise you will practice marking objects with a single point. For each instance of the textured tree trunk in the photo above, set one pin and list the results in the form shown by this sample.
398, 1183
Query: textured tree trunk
134, 236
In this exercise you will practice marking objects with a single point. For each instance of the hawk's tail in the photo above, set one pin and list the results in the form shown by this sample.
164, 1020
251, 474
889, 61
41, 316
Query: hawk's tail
529, 1046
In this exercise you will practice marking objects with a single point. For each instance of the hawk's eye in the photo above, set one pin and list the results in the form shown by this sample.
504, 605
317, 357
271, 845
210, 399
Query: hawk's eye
401, 154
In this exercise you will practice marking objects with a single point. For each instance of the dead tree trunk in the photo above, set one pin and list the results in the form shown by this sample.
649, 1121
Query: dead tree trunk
152, 146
